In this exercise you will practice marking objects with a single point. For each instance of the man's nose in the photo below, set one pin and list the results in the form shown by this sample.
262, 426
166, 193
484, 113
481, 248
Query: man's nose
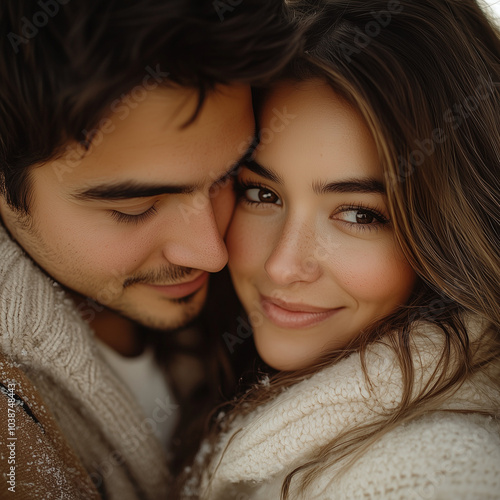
197, 243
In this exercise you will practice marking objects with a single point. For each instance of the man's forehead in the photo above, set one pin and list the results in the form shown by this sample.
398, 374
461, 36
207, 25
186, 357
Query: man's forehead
137, 153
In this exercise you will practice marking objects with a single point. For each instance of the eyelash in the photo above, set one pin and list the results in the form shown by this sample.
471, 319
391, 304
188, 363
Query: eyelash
241, 187
133, 219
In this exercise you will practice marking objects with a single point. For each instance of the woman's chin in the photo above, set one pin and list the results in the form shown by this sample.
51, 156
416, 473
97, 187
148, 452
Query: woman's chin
283, 355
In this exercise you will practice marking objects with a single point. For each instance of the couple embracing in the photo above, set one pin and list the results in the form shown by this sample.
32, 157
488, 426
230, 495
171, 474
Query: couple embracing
341, 157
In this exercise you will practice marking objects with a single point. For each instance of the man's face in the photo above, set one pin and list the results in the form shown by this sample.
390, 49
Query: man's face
137, 223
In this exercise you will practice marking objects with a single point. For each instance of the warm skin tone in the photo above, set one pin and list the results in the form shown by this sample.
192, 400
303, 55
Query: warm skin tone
163, 226
311, 248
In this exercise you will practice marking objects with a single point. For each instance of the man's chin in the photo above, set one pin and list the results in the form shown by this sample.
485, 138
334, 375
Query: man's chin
162, 324
153, 313
168, 318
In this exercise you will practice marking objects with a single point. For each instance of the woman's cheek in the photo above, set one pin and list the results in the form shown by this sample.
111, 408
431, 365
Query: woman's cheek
375, 275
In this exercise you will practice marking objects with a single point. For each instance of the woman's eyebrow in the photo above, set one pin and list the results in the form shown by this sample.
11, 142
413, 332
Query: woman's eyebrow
259, 169
355, 185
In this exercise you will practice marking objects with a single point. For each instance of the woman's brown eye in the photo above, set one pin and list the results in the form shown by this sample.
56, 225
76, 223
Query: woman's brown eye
261, 195
364, 217
267, 196
361, 218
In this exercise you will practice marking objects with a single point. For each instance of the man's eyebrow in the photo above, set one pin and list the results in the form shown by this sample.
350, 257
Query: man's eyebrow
361, 185
259, 169
128, 190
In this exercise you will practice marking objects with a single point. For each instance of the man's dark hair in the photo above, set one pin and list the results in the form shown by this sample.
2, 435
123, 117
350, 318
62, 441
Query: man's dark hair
64, 63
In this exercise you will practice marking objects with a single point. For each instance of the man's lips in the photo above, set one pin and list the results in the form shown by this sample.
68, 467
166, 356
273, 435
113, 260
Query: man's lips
294, 315
180, 290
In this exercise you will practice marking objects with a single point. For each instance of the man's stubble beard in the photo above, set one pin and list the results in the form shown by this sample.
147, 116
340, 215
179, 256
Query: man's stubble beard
187, 309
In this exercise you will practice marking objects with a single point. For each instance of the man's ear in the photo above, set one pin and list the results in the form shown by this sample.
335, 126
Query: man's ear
4, 203
12, 219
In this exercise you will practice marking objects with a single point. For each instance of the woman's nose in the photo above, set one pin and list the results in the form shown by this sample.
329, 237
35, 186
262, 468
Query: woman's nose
293, 258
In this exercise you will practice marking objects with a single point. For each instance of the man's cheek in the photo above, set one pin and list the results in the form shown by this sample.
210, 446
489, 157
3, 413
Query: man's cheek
223, 204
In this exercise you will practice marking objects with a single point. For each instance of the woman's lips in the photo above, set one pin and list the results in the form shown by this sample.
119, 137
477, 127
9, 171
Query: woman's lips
181, 290
291, 315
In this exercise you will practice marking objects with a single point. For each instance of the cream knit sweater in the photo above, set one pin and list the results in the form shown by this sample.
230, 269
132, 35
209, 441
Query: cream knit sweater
445, 456
42, 332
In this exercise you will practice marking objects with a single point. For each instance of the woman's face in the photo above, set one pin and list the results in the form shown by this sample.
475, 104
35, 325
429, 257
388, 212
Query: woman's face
312, 251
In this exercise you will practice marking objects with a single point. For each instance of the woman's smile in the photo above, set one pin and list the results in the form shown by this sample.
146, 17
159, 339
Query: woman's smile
294, 315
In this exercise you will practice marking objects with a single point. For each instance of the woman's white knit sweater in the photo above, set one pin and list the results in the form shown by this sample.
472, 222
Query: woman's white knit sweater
441, 455
43, 334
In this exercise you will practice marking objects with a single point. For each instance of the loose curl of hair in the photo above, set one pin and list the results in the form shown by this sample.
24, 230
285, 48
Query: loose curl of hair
427, 83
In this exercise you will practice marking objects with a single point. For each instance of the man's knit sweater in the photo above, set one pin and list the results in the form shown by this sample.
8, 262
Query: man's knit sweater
440, 455
79, 429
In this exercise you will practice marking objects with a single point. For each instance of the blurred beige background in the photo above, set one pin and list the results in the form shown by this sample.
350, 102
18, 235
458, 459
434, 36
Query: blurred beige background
495, 6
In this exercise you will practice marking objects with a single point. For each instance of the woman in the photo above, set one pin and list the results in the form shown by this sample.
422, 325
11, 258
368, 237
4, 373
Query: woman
364, 249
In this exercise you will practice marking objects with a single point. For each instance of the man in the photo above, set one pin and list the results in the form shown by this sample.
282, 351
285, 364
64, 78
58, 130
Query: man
120, 123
